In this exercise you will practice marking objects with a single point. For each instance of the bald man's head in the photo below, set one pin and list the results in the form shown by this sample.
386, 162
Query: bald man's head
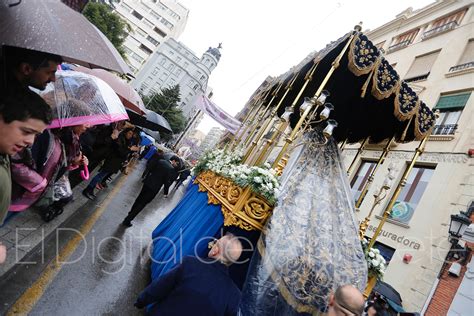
347, 300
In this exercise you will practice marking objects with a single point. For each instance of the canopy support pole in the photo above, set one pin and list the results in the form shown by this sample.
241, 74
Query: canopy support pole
335, 64
398, 190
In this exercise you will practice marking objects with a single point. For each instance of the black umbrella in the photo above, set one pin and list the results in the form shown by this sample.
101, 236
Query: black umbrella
152, 121
388, 292
52, 27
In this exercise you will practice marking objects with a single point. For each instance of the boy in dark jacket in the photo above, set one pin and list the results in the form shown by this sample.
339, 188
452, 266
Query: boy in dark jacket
161, 173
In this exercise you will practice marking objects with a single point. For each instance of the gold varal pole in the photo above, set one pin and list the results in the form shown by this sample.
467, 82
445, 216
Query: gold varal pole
343, 145
246, 122
270, 119
372, 174
252, 115
398, 190
356, 157
262, 115
314, 102
280, 129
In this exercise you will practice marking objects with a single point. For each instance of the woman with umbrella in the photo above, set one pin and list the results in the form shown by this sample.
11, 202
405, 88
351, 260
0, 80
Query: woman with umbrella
120, 150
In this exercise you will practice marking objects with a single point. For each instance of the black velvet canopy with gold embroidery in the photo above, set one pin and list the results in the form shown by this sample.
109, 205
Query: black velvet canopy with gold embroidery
369, 98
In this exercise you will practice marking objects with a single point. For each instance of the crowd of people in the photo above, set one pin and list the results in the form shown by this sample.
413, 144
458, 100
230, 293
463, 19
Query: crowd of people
40, 166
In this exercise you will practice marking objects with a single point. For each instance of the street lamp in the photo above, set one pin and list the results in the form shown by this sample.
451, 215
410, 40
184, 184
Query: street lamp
457, 227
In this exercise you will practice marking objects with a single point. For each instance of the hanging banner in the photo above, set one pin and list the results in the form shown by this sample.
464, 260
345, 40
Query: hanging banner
229, 122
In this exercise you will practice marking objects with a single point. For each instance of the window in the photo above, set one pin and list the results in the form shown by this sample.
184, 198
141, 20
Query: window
170, 67
167, 23
380, 45
147, 8
202, 78
178, 72
162, 61
196, 87
137, 15
467, 58
155, 71
403, 40
126, 7
152, 40
160, 32
164, 76
421, 67
361, 178
186, 64
454, 17
178, 59
137, 58
140, 31
155, 15
148, 23
407, 201
450, 107
145, 49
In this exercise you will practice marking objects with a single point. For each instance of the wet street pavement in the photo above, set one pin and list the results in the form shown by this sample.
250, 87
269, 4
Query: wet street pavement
90, 265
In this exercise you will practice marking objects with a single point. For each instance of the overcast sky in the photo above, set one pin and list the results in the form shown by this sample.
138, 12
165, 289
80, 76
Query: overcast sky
267, 37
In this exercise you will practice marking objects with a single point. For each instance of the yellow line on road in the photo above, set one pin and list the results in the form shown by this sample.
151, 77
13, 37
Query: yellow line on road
31, 296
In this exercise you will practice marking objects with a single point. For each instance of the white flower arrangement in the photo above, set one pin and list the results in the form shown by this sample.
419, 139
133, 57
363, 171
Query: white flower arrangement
375, 261
262, 180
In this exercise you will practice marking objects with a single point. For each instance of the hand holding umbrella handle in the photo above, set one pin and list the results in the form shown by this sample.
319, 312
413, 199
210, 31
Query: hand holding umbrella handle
85, 173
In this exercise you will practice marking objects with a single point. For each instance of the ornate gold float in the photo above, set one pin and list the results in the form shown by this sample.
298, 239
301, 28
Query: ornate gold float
240, 206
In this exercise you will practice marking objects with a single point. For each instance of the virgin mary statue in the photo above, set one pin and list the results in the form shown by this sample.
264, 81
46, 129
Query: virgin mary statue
310, 246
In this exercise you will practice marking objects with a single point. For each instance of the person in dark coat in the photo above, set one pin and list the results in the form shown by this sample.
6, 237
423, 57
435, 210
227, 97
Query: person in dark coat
162, 173
197, 286
120, 150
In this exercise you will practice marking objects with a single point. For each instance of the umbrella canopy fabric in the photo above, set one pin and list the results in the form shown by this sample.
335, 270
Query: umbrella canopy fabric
146, 139
387, 291
152, 121
52, 27
78, 98
369, 98
130, 98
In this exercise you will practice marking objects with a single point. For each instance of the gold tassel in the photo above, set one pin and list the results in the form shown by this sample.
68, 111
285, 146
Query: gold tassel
406, 129
366, 84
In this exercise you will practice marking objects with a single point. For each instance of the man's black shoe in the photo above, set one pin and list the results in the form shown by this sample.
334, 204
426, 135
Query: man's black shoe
127, 224
88, 194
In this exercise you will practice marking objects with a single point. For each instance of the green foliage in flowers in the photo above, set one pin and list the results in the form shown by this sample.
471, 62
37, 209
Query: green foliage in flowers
261, 179
375, 261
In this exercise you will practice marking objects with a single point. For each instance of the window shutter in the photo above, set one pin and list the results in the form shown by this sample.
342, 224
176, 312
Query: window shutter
449, 102
468, 55
422, 65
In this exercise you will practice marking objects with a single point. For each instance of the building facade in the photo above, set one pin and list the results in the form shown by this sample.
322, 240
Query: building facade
175, 64
433, 50
152, 22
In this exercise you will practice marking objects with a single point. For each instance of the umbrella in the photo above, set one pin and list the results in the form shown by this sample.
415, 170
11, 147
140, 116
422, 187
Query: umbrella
130, 98
146, 139
78, 98
152, 121
388, 292
52, 27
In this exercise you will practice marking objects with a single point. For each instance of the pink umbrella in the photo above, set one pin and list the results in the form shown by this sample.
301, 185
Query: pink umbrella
129, 97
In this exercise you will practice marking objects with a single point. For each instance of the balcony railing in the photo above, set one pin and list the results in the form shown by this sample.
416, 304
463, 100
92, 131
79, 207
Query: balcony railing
462, 66
447, 129
439, 30
398, 46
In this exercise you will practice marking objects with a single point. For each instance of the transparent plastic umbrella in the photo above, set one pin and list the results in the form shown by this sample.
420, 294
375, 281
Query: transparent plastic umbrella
78, 98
